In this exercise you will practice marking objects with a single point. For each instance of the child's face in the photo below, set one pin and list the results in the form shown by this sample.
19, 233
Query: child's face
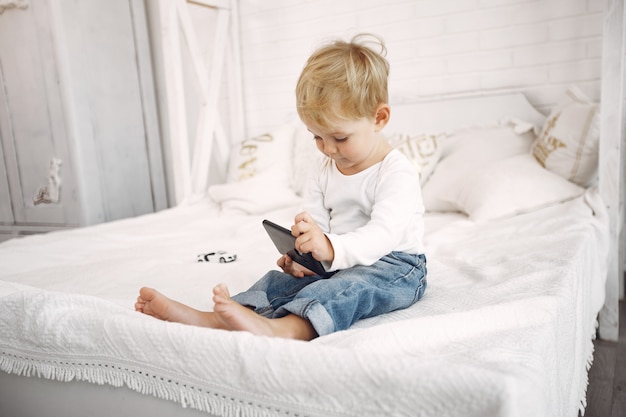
354, 145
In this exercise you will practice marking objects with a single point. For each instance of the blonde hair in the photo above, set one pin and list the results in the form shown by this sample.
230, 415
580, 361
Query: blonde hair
343, 80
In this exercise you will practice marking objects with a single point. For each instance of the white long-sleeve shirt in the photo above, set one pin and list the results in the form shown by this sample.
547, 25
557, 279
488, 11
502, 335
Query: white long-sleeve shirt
369, 214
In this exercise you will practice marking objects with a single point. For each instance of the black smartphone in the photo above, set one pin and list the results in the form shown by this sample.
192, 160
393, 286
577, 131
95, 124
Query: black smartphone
285, 243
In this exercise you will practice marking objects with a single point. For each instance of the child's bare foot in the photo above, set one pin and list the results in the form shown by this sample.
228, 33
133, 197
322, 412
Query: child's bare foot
227, 314
234, 316
155, 304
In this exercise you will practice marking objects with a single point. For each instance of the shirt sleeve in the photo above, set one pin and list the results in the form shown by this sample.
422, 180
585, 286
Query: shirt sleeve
396, 209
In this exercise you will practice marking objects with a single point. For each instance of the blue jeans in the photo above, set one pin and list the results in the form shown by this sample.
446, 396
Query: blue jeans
335, 301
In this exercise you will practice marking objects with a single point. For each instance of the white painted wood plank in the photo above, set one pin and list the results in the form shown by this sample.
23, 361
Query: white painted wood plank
238, 131
222, 150
177, 119
208, 146
611, 157
6, 210
148, 98
186, 27
9, 187
209, 112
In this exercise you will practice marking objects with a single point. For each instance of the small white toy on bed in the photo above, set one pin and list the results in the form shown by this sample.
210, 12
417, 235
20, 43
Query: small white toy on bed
220, 256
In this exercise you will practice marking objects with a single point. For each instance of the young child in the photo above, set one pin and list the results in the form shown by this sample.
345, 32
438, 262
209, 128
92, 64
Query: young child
362, 218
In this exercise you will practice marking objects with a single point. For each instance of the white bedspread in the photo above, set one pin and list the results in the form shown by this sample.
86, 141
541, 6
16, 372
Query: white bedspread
504, 329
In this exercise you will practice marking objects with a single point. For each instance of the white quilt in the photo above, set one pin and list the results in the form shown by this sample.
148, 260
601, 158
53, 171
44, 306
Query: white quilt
504, 329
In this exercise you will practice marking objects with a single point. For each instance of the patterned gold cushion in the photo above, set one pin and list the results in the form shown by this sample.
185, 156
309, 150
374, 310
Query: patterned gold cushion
423, 150
568, 143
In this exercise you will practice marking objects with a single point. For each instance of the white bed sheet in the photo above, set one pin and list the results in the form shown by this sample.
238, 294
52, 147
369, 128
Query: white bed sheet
504, 329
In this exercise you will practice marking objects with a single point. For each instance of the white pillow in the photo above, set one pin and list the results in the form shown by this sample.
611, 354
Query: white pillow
269, 153
255, 195
569, 141
423, 150
468, 150
259, 173
508, 187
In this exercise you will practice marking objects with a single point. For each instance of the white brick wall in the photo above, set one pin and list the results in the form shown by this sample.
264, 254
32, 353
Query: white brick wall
435, 47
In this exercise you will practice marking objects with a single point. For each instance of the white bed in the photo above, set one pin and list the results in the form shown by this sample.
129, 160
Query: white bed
505, 328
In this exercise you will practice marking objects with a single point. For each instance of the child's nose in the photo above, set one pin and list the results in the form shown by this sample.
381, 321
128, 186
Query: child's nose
329, 147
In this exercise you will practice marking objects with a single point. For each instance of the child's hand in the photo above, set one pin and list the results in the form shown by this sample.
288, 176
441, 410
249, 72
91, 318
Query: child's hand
293, 268
311, 239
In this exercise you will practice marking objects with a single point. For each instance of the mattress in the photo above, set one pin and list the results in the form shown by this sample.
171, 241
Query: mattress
504, 329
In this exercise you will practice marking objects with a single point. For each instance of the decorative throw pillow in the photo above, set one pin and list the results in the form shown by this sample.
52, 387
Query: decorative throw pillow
423, 150
510, 186
259, 172
568, 143
269, 153
471, 149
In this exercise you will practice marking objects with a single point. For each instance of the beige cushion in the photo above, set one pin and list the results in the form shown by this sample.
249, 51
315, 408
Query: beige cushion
568, 143
423, 150
259, 174
269, 153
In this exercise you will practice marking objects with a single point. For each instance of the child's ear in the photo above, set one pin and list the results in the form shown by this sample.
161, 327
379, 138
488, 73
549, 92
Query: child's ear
383, 112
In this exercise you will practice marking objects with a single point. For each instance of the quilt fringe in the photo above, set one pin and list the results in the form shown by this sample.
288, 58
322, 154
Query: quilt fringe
142, 382
589, 362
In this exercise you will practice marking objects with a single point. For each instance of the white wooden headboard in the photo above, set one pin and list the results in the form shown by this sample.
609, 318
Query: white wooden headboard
448, 113
197, 44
